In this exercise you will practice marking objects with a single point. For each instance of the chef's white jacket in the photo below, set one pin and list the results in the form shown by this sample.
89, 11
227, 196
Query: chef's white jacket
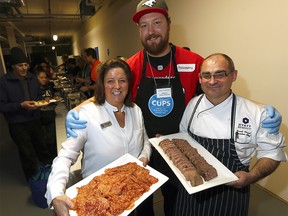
250, 138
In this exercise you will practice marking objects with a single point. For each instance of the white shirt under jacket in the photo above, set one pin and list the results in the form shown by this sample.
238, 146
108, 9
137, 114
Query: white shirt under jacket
100, 145
214, 122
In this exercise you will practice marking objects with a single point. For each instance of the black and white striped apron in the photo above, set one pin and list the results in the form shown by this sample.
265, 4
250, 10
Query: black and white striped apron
220, 200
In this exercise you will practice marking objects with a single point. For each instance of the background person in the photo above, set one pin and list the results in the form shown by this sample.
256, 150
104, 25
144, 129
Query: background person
48, 114
114, 127
62, 68
72, 70
84, 78
229, 127
18, 91
92, 60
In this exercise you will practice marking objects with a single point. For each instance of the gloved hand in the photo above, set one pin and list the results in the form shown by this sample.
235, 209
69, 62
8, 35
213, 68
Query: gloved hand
274, 122
73, 122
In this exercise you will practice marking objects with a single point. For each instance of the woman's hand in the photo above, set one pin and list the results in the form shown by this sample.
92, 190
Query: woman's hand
144, 160
62, 205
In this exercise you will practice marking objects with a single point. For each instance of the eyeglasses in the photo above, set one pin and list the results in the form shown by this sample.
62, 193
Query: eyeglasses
217, 75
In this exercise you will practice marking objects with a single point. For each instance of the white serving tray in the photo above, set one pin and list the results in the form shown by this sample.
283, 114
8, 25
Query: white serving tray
71, 192
224, 174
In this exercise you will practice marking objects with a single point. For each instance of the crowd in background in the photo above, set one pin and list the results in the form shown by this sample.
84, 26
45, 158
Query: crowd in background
27, 95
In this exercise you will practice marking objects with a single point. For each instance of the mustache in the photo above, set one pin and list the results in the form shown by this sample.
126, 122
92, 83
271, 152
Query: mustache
152, 36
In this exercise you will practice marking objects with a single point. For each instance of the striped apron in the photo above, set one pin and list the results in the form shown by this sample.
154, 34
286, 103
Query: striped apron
220, 200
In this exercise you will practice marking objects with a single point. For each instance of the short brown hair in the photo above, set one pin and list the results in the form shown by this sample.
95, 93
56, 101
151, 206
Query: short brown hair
99, 95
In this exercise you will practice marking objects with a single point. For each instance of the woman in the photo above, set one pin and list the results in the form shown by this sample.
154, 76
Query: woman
48, 113
114, 127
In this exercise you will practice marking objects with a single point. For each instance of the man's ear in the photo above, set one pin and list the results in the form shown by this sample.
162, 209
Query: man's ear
199, 77
235, 73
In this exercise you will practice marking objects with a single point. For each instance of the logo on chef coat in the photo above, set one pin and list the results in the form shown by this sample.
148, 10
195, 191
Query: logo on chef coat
245, 124
160, 106
243, 133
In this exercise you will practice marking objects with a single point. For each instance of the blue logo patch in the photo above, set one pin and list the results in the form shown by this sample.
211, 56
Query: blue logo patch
160, 107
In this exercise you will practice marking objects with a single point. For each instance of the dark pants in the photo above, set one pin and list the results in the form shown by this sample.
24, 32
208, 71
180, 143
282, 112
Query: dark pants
49, 131
32, 149
50, 139
169, 189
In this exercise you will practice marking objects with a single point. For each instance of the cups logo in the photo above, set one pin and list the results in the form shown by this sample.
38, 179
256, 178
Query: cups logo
149, 3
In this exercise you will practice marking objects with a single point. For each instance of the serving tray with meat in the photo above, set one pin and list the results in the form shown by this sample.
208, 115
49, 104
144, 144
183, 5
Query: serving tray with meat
196, 168
116, 189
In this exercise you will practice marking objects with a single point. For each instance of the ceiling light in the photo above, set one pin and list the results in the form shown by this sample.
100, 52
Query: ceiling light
53, 47
55, 37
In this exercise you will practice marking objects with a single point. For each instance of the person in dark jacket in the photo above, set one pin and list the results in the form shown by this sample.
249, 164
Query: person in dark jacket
18, 91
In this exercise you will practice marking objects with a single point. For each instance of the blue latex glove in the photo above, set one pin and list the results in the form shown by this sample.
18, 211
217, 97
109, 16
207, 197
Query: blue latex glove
274, 122
73, 122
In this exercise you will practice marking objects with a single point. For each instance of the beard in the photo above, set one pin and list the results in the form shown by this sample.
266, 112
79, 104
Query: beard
156, 48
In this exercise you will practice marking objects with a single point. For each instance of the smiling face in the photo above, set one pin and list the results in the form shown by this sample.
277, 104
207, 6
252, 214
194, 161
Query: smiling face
154, 33
116, 87
219, 88
20, 70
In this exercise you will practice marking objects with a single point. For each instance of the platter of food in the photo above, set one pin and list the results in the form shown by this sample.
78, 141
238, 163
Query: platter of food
208, 171
98, 190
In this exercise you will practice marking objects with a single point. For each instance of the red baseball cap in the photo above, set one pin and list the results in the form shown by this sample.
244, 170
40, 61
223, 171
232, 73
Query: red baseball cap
149, 6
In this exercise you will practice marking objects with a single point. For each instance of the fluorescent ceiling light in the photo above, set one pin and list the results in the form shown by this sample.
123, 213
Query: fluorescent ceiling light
55, 37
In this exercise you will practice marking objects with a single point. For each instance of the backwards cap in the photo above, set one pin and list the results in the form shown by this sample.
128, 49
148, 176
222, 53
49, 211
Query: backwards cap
17, 56
149, 6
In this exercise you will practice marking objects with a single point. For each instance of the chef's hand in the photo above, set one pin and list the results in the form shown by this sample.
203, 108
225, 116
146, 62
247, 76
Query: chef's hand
62, 204
144, 160
73, 122
274, 122
243, 180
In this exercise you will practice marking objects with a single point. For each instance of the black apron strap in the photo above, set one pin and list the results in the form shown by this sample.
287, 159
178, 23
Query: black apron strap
233, 114
194, 110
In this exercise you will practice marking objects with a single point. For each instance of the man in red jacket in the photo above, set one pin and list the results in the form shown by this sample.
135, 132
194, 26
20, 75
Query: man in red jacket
165, 78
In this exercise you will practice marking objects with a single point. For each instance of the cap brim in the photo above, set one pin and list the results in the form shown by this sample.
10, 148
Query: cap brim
136, 17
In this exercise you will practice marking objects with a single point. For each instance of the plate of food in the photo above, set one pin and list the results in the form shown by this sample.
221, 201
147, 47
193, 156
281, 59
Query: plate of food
55, 99
116, 189
41, 103
195, 167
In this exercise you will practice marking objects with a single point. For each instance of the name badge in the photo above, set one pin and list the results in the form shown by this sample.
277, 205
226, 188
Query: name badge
163, 92
105, 124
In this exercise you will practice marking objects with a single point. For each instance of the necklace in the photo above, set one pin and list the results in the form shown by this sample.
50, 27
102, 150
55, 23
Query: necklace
170, 65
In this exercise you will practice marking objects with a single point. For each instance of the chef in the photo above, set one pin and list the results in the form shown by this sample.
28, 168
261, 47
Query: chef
229, 127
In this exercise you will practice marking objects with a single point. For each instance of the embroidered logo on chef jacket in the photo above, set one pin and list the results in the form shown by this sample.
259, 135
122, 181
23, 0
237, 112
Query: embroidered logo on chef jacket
160, 104
186, 67
243, 132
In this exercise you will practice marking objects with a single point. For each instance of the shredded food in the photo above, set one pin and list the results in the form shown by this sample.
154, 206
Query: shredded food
114, 191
